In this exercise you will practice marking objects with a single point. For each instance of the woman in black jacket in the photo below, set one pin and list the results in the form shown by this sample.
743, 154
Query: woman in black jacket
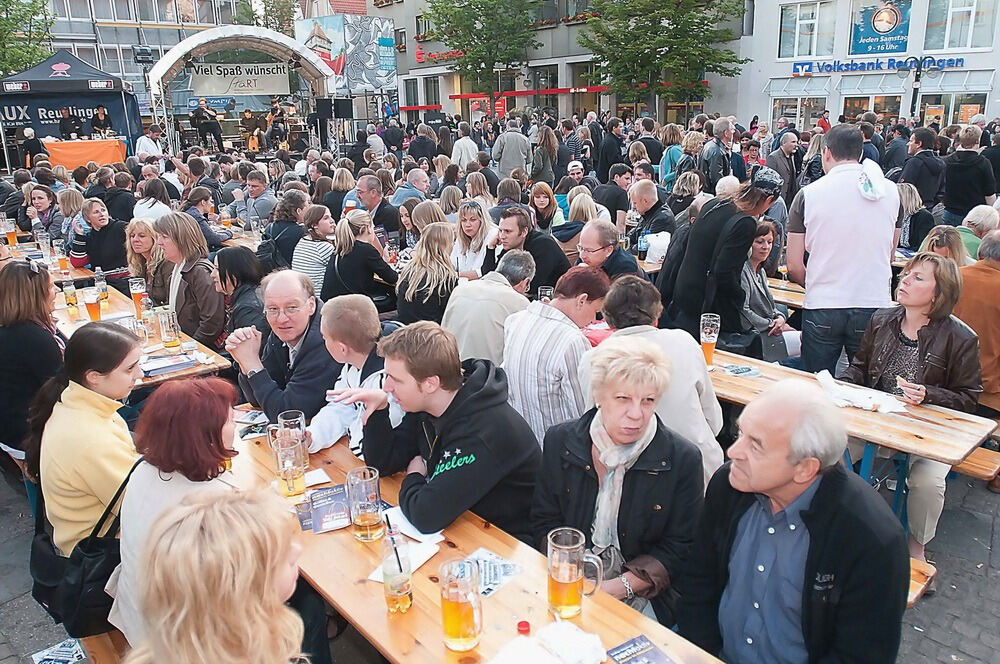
31, 351
428, 280
343, 183
924, 355
286, 227
444, 145
104, 246
237, 275
356, 262
619, 476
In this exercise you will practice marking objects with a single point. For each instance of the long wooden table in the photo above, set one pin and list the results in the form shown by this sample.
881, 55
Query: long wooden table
75, 273
70, 319
931, 432
338, 567
248, 241
787, 293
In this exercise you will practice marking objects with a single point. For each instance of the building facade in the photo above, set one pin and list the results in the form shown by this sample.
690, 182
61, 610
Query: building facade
850, 56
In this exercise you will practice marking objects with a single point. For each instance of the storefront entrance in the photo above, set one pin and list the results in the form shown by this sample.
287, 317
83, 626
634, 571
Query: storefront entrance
803, 111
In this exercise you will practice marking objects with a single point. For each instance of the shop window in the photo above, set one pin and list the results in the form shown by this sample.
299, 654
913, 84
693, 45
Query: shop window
411, 92
802, 111
960, 24
807, 29
432, 91
966, 105
887, 105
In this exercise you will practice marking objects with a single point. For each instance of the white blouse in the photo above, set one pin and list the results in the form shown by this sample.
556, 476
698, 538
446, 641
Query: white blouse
469, 260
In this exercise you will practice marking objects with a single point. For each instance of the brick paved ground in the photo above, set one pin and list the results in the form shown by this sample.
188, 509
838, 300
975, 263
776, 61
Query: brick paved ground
959, 624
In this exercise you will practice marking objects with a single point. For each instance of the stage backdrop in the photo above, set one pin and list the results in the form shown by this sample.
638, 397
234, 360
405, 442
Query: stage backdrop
268, 78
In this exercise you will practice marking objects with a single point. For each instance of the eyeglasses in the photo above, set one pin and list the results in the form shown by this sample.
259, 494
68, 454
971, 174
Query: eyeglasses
583, 250
289, 311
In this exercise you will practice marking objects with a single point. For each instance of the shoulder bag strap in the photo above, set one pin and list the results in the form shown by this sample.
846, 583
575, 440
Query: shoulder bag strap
111, 505
710, 284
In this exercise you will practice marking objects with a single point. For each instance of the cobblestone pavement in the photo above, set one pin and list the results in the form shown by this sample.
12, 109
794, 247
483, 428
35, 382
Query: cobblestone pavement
958, 624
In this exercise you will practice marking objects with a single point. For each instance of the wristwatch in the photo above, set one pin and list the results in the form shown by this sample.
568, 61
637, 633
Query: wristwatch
629, 593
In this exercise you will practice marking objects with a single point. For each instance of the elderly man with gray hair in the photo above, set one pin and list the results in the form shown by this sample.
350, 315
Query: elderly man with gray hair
477, 309
795, 559
716, 160
598, 247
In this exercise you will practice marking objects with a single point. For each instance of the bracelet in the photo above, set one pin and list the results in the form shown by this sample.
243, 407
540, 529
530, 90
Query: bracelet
629, 593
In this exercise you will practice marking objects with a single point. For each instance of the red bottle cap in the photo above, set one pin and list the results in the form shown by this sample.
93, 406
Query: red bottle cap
524, 627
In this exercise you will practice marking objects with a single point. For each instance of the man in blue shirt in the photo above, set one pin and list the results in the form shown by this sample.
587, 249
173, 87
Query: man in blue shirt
796, 559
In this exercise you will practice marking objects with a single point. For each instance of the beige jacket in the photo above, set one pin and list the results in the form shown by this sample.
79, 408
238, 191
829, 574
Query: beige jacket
476, 312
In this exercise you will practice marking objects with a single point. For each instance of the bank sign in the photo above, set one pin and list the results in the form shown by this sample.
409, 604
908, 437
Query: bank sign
880, 27
851, 66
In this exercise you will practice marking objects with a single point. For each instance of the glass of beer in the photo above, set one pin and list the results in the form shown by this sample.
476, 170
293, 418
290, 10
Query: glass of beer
170, 330
92, 299
366, 503
710, 326
545, 293
290, 453
59, 256
44, 246
10, 228
137, 288
567, 563
461, 605
623, 241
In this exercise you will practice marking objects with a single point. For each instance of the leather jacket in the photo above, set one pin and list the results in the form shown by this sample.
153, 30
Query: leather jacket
947, 356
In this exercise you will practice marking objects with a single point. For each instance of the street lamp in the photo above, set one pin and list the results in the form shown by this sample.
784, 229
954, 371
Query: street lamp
925, 65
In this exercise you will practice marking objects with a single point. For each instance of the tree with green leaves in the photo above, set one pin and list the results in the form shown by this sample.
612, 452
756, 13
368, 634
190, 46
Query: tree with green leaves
489, 34
277, 15
662, 47
24, 33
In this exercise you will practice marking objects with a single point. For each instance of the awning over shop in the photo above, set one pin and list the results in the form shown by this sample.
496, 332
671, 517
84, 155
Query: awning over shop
959, 81
871, 84
798, 86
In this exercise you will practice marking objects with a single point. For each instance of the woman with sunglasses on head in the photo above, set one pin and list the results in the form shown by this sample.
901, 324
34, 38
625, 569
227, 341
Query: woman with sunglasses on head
474, 233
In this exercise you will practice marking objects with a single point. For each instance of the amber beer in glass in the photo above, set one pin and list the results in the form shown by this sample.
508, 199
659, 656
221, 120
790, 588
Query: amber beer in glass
567, 562
137, 288
366, 503
710, 326
92, 298
461, 605
290, 452
10, 228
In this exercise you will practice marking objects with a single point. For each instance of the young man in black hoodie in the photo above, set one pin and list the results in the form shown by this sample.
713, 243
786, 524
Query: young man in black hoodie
924, 169
516, 232
968, 178
461, 444
119, 198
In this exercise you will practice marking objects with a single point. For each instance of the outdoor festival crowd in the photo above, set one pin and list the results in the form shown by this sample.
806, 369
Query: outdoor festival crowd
482, 310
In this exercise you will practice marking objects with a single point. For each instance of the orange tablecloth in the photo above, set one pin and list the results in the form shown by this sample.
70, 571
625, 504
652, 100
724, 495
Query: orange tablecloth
77, 153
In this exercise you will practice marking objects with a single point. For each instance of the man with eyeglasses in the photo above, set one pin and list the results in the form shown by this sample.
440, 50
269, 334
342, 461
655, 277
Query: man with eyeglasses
516, 231
291, 369
599, 248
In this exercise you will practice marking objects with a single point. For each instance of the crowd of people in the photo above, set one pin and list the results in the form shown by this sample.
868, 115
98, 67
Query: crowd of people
484, 297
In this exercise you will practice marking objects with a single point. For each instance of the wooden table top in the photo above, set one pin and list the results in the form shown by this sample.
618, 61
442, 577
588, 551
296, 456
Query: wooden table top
74, 273
930, 432
338, 567
248, 241
650, 267
787, 293
69, 319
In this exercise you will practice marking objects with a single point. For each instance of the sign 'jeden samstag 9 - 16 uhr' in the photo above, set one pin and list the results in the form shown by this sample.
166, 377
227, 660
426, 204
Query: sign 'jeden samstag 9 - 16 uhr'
268, 78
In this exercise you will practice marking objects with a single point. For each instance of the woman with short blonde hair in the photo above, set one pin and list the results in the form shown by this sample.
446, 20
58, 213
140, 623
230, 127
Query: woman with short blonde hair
946, 241
425, 214
450, 200
427, 281
242, 548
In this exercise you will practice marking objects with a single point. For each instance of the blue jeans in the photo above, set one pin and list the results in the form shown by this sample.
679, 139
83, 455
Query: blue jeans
825, 332
951, 218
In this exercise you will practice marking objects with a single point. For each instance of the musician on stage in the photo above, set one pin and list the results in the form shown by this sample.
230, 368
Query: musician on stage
253, 128
276, 131
206, 120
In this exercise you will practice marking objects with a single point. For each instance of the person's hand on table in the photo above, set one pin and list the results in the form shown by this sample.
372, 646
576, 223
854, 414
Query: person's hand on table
372, 399
212, 217
417, 465
244, 345
615, 588
914, 393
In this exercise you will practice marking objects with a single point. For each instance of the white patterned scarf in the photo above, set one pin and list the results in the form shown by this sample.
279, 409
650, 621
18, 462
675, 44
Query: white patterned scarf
617, 459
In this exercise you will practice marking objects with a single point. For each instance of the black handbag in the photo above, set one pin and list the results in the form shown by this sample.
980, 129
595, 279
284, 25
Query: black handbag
71, 589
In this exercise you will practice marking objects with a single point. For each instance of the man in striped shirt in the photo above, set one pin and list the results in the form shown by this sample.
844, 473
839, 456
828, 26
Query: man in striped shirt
542, 349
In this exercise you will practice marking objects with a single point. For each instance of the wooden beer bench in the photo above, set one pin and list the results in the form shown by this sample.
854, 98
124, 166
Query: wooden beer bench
982, 464
921, 575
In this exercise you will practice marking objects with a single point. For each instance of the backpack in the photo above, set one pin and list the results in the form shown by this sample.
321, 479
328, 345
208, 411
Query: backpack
270, 257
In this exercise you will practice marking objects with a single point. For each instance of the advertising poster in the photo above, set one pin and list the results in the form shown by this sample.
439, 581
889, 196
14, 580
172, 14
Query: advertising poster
966, 111
934, 114
370, 64
880, 26
325, 36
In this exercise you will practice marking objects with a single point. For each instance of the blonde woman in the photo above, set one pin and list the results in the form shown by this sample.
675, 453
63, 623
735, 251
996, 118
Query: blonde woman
145, 259
690, 148
451, 199
343, 183
581, 190
946, 241
917, 220
61, 175
243, 549
427, 282
812, 163
637, 152
70, 202
441, 164
425, 214
356, 262
582, 209
475, 232
478, 189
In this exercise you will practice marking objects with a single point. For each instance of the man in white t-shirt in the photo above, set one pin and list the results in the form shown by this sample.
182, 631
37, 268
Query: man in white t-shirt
149, 143
849, 221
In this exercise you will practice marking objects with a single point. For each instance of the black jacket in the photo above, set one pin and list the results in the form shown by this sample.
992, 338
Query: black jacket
661, 499
301, 386
715, 161
657, 219
286, 234
410, 311
10, 199
492, 179
620, 262
856, 576
550, 261
690, 287
654, 148
481, 455
355, 273
968, 180
895, 154
334, 202
246, 309
925, 171
609, 154
386, 216
393, 137
992, 155
947, 357
96, 190
29, 356
421, 146
120, 203
213, 186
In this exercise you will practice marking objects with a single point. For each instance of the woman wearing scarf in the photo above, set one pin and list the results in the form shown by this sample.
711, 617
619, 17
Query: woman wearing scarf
619, 476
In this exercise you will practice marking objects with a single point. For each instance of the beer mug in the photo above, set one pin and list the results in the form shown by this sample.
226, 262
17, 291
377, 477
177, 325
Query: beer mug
92, 299
10, 228
709, 328
170, 329
137, 289
290, 453
461, 605
44, 244
366, 503
567, 562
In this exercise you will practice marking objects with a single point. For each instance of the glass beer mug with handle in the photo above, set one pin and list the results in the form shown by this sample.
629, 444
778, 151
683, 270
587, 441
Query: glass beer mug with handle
461, 605
365, 498
290, 452
567, 562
